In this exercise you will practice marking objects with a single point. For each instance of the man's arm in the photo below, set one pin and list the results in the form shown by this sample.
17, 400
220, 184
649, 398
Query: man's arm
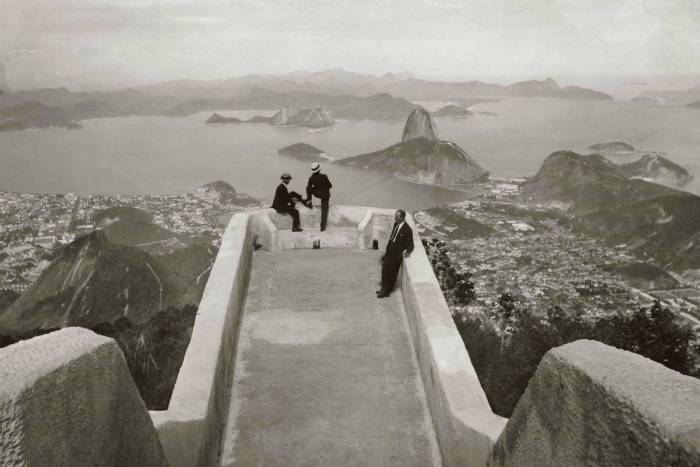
309, 188
409, 243
328, 182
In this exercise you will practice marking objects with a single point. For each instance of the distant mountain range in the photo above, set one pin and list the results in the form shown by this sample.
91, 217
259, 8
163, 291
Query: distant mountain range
421, 157
344, 94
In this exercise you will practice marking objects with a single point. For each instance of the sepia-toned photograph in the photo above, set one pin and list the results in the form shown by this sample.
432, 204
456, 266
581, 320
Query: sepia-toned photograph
325, 233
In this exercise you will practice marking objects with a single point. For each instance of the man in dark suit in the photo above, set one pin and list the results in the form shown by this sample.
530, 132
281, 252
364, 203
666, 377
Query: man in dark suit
320, 187
284, 202
399, 246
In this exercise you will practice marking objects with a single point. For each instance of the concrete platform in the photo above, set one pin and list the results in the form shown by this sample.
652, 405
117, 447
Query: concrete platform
325, 372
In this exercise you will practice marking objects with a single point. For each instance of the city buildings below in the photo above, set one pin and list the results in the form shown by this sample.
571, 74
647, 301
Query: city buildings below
33, 225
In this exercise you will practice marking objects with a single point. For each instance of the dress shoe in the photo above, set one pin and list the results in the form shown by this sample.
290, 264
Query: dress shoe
298, 229
379, 292
382, 295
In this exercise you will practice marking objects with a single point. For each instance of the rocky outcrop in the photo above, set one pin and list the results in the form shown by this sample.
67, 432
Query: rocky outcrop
419, 125
126, 225
287, 115
223, 194
218, 118
592, 404
318, 118
93, 281
613, 147
423, 160
584, 184
654, 167
305, 152
310, 118
452, 111
67, 399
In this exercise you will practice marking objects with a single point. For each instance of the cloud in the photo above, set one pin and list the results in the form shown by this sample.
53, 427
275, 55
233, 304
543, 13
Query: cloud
110, 42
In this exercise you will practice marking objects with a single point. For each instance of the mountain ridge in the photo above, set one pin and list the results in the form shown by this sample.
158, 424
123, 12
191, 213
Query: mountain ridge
586, 183
93, 281
345, 94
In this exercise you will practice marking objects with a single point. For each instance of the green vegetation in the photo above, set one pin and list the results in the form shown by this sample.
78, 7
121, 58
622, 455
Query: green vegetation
154, 351
507, 343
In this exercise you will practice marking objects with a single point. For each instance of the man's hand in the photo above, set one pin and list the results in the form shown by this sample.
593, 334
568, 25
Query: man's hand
406, 253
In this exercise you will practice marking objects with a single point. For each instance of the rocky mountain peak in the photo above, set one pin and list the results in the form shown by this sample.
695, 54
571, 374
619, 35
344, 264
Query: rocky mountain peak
286, 115
419, 125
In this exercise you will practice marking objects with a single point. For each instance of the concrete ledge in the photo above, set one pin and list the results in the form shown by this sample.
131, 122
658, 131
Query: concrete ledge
592, 404
68, 399
190, 430
465, 425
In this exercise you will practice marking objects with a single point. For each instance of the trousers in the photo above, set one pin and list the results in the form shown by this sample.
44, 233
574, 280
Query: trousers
324, 212
294, 212
390, 270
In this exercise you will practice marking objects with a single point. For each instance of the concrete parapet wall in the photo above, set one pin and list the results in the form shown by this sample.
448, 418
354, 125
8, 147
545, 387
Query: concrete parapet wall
191, 427
68, 399
592, 404
466, 427
190, 430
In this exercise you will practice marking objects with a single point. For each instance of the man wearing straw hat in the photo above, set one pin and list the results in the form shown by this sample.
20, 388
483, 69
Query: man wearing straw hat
320, 187
284, 202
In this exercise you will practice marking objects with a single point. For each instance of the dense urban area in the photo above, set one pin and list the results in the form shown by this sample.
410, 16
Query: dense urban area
32, 225
535, 256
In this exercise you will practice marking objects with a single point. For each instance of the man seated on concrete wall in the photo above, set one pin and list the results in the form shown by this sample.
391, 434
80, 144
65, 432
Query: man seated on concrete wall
284, 202
399, 246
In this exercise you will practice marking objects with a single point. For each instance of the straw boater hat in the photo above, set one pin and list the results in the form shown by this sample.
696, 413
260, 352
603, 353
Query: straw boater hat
285, 176
315, 167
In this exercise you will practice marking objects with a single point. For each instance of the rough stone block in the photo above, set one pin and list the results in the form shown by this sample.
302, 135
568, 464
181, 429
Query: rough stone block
592, 404
67, 398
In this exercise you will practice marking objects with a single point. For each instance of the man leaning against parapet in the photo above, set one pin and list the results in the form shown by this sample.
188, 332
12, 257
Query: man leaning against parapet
399, 246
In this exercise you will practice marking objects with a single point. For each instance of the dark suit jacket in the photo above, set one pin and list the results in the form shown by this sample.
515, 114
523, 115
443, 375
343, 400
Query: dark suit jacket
284, 200
319, 186
403, 241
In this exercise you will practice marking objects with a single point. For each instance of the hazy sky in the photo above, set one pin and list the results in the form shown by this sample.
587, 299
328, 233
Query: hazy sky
107, 43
